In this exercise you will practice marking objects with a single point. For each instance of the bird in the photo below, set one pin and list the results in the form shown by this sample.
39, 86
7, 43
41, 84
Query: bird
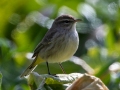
58, 45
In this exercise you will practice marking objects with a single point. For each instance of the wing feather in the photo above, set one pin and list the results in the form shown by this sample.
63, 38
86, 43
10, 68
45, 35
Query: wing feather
45, 41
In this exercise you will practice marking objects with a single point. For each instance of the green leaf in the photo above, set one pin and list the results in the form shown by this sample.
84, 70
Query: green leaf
49, 82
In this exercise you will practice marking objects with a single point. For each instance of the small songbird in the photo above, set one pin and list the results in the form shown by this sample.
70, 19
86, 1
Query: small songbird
58, 45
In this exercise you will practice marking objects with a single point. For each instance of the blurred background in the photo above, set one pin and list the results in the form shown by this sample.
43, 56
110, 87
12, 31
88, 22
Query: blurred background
23, 23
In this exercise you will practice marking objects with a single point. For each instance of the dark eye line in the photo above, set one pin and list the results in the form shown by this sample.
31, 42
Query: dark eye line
66, 21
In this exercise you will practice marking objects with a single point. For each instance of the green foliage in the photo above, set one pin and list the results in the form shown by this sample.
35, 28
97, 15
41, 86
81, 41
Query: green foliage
0, 80
23, 23
49, 82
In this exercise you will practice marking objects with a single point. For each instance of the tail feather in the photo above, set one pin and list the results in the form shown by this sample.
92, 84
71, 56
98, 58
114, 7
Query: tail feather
34, 64
28, 71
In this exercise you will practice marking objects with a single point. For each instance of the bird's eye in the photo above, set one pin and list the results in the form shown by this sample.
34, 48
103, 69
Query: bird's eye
66, 22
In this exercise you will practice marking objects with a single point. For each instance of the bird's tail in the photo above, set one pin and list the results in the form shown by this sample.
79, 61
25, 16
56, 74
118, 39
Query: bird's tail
31, 67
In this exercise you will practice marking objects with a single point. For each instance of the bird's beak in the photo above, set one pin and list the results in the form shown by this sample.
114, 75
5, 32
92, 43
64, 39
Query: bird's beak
78, 20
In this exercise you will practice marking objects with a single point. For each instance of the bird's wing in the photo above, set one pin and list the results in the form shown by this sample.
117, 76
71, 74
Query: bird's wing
45, 41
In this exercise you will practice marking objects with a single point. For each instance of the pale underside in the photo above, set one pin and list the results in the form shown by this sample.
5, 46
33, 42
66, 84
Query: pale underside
61, 50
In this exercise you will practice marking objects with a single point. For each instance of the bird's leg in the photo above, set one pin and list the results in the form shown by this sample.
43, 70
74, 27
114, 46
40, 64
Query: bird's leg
48, 68
62, 68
